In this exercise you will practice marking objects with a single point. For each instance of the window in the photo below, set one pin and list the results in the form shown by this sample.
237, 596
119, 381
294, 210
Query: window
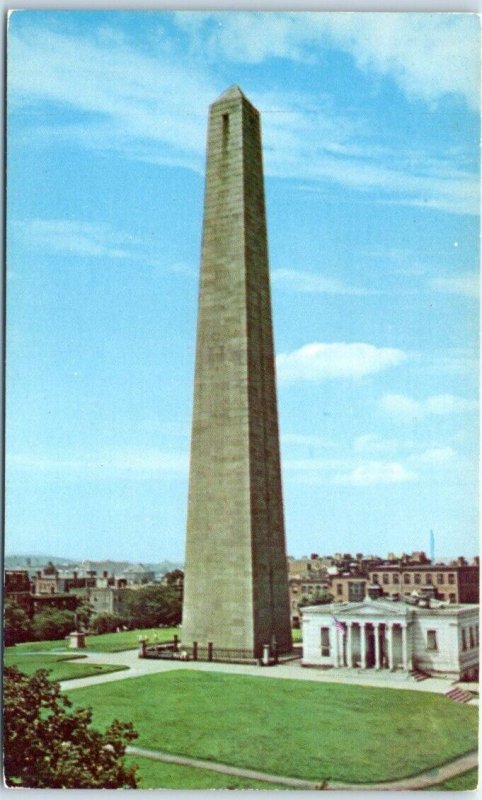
416, 578
339, 588
432, 640
451, 578
375, 577
440, 577
396, 577
428, 577
476, 635
386, 578
464, 639
471, 637
451, 598
407, 578
325, 641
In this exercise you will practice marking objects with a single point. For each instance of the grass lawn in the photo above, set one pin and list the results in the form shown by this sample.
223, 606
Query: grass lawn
461, 783
288, 727
128, 640
297, 635
60, 668
103, 643
159, 775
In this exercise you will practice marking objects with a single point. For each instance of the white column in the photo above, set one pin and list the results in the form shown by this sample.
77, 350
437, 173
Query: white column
376, 627
335, 645
349, 653
390, 646
404, 646
363, 646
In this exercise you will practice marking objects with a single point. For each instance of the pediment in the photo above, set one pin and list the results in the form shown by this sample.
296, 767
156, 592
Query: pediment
368, 609
371, 609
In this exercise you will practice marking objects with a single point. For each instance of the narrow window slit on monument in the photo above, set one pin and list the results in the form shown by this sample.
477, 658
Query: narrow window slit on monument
225, 126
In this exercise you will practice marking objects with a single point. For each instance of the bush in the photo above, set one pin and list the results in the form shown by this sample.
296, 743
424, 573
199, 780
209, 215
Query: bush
52, 623
16, 624
106, 623
46, 747
154, 605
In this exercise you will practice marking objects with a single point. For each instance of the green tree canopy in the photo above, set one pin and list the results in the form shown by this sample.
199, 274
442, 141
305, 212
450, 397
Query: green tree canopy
17, 627
154, 605
46, 746
53, 623
106, 622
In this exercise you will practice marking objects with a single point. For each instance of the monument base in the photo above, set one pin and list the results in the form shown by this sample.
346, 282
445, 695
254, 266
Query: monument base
266, 656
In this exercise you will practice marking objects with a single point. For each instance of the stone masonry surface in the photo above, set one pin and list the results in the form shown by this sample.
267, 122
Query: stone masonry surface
236, 587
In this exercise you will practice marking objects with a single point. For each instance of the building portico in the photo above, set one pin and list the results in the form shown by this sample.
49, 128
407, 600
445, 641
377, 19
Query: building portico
369, 640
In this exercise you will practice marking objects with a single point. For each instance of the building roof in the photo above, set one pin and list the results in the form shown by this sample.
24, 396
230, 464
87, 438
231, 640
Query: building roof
387, 608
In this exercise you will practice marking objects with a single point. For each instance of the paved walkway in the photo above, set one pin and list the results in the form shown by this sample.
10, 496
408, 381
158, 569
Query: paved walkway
429, 778
291, 670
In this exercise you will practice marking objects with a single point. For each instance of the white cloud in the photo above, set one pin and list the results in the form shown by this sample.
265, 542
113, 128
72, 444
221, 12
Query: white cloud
309, 441
91, 240
153, 108
376, 472
372, 443
130, 461
467, 284
319, 361
408, 409
141, 105
79, 238
311, 283
433, 456
427, 55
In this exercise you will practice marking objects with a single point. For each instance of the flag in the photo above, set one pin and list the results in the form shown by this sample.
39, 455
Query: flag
339, 625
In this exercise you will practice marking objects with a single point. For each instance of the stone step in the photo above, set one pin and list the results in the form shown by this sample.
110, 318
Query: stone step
419, 676
458, 695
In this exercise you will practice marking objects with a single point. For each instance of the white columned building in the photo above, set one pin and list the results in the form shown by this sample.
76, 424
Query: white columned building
384, 634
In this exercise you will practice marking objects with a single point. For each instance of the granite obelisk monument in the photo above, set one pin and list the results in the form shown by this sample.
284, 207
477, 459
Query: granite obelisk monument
236, 586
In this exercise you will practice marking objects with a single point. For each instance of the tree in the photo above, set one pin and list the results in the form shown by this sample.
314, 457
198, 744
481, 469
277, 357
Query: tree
16, 624
317, 599
106, 623
46, 746
52, 623
84, 614
154, 605
175, 579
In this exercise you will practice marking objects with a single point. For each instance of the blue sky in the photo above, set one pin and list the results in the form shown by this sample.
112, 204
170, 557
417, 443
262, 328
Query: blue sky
370, 132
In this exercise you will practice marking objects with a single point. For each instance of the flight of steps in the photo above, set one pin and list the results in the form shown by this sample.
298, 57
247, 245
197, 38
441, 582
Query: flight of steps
419, 676
458, 695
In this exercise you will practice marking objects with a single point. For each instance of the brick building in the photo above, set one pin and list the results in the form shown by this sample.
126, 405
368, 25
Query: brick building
455, 583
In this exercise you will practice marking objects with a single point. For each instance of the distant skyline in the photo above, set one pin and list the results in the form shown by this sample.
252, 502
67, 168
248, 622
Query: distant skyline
371, 132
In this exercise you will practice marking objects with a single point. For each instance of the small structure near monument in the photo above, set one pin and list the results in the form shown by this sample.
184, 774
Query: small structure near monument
77, 640
431, 637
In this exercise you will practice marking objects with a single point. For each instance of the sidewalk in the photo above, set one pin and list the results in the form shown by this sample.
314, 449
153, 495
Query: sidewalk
422, 781
291, 670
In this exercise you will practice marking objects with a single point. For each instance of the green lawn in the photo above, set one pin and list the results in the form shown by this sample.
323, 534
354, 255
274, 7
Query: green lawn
297, 635
104, 642
461, 783
287, 727
159, 775
60, 668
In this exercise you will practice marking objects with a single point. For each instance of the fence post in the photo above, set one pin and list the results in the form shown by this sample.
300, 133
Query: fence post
194, 651
210, 651
176, 643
